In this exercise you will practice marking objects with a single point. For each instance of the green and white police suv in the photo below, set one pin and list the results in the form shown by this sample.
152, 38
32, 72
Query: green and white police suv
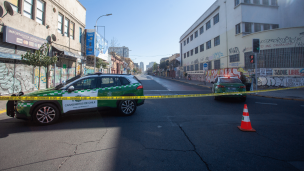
94, 85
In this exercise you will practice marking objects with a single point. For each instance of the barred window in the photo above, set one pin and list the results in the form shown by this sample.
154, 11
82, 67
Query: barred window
265, 2
266, 26
196, 34
277, 58
234, 58
274, 2
257, 27
192, 68
236, 2
202, 30
188, 54
216, 19
191, 37
201, 66
209, 65
237, 28
184, 55
256, 1
191, 52
196, 50
196, 67
208, 25
275, 26
217, 41
217, 64
187, 40
201, 47
248, 27
188, 68
208, 44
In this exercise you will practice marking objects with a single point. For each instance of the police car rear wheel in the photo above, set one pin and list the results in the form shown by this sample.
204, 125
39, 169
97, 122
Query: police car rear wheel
127, 107
46, 114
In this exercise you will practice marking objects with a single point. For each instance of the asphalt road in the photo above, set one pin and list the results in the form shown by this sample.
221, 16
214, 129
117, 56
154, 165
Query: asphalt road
168, 134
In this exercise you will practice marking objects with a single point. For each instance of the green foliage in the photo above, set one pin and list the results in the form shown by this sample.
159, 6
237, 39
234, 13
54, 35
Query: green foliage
39, 58
174, 63
101, 63
155, 66
163, 65
134, 70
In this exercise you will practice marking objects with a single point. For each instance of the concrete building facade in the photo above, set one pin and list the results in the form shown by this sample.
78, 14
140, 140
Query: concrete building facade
222, 38
34, 23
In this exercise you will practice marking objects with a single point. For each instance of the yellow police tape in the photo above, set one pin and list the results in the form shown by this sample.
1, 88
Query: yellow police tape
136, 97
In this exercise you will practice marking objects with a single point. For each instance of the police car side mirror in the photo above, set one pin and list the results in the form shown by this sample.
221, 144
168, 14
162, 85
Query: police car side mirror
70, 89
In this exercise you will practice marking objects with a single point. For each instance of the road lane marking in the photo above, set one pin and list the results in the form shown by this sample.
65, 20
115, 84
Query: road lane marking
2, 111
267, 103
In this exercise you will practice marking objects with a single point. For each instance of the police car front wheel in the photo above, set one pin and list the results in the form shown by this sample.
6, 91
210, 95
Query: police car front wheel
46, 114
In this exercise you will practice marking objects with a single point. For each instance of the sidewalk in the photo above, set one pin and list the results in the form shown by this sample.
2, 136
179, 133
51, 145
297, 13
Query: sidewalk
291, 94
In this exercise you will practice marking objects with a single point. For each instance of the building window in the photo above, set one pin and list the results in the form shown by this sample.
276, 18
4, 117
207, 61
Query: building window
202, 30
234, 58
184, 55
257, 27
256, 1
236, 2
247, 1
28, 8
191, 37
196, 50
191, 52
15, 4
266, 26
237, 28
187, 40
274, 2
60, 23
265, 2
248, 27
217, 64
201, 47
192, 68
209, 65
80, 34
196, 34
40, 12
184, 42
275, 26
72, 30
66, 27
217, 41
208, 44
208, 25
188, 68
216, 19
188, 54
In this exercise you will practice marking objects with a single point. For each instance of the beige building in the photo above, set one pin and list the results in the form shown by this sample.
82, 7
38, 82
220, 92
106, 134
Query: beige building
34, 22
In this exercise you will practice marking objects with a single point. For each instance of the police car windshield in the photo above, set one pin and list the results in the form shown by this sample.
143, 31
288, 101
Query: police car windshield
230, 80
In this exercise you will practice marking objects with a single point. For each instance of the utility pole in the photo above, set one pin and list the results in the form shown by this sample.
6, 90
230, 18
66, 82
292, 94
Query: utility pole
256, 50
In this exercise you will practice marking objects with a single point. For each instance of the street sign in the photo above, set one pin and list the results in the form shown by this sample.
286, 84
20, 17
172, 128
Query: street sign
205, 66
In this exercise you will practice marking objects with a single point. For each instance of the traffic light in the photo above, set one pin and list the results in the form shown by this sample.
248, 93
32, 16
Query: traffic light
251, 59
256, 45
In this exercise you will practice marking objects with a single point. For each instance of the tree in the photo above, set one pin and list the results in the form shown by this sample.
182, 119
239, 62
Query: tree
155, 66
163, 65
101, 63
134, 70
39, 58
173, 64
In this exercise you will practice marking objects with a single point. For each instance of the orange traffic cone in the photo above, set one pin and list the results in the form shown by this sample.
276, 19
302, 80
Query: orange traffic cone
246, 125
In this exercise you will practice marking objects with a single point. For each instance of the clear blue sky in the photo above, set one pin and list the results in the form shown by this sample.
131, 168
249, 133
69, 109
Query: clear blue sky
150, 28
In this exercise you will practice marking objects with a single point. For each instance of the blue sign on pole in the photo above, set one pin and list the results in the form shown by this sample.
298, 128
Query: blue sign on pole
90, 43
205, 66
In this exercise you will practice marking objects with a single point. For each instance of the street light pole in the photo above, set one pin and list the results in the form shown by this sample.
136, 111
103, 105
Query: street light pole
95, 39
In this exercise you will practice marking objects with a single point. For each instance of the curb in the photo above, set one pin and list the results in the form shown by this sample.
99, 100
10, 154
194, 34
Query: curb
282, 98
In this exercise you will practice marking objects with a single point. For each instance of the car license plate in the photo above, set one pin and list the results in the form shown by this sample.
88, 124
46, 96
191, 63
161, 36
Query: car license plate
230, 88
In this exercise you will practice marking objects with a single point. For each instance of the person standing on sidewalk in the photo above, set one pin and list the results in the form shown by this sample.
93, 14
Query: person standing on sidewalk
243, 78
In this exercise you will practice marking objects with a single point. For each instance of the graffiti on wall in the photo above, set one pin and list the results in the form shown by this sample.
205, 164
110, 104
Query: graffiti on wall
281, 81
15, 80
288, 72
42, 78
